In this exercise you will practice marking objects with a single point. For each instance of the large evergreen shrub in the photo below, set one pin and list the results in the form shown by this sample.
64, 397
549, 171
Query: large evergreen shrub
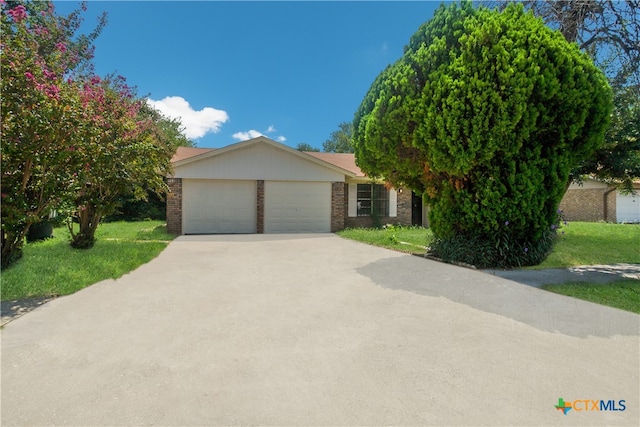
486, 113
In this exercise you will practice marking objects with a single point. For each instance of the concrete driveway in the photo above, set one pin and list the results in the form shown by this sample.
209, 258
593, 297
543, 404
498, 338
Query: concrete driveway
315, 330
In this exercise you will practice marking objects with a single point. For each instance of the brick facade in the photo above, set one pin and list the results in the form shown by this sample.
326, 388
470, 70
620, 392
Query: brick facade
337, 206
405, 207
403, 214
174, 206
589, 204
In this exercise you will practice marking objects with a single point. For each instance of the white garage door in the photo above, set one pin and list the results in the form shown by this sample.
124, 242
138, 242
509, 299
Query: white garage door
297, 207
628, 207
210, 206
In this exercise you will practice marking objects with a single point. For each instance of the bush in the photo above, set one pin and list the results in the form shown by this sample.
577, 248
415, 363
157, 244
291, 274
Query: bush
130, 209
502, 251
486, 114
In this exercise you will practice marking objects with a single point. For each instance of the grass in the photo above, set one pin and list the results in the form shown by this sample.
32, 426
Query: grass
591, 243
623, 294
583, 243
411, 240
52, 267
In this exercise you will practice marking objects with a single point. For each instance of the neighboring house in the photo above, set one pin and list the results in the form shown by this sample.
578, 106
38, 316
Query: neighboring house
596, 201
262, 186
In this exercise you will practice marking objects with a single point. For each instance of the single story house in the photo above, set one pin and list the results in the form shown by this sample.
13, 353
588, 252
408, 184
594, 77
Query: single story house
262, 186
597, 201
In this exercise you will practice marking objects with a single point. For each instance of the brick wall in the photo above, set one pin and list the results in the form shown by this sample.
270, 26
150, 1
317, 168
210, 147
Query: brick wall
403, 214
588, 204
174, 206
337, 206
405, 206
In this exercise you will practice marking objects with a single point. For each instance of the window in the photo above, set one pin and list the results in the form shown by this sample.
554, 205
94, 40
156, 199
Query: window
373, 200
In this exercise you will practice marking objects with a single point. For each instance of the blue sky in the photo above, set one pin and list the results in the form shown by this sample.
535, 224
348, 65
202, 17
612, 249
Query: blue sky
232, 70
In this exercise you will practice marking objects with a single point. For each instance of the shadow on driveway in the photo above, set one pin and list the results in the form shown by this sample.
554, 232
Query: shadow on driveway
543, 310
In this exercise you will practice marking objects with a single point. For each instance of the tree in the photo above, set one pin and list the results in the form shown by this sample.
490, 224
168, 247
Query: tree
486, 113
609, 31
39, 56
340, 141
617, 162
122, 153
303, 146
168, 132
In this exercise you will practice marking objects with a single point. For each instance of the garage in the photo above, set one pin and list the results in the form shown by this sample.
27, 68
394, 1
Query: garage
218, 206
297, 207
628, 207
254, 186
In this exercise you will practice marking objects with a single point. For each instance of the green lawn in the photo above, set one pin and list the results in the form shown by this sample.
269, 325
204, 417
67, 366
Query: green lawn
623, 294
590, 243
583, 243
52, 267
404, 239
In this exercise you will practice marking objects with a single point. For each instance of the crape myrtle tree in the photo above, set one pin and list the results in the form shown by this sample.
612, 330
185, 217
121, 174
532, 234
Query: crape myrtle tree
40, 54
169, 132
122, 153
71, 141
486, 113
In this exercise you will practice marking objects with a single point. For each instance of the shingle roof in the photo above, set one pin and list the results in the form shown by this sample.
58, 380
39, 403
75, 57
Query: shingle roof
186, 152
342, 160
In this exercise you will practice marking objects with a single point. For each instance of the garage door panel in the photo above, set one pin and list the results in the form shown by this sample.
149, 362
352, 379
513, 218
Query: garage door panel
628, 207
297, 207
214, 206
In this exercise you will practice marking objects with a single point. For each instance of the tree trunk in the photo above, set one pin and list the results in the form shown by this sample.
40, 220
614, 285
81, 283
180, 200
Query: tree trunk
12, 242
88, 218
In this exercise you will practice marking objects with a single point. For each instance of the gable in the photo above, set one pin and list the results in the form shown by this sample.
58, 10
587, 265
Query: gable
259, 159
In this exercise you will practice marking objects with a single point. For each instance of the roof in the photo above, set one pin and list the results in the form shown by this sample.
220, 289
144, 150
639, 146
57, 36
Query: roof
342, 160
187, 152
344, 163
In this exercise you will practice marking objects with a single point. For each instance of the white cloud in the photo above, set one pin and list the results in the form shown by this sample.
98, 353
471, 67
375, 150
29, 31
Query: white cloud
243, 136
196, 123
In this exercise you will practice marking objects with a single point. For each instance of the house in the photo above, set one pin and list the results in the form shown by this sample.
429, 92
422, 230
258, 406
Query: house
597, 201
262, 186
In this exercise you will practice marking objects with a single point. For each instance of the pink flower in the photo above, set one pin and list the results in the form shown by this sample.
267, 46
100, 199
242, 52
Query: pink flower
52, 91
18, 13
